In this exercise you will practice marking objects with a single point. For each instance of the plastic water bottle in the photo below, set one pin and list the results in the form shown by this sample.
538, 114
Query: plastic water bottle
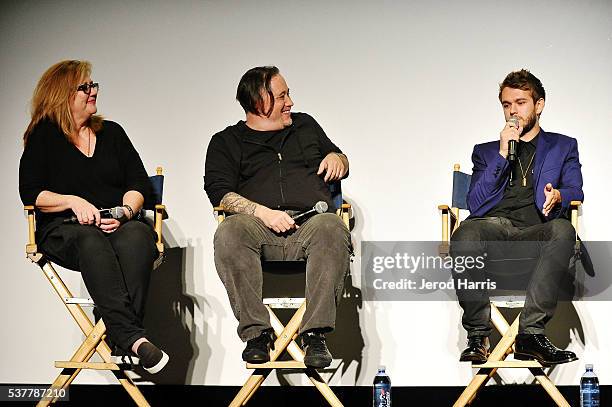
382, 389
589, 388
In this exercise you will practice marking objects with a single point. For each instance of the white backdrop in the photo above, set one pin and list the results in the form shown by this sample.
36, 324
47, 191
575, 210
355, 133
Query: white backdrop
404, 88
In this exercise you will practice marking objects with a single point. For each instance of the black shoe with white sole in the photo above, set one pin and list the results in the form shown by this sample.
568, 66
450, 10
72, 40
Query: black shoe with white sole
152, 359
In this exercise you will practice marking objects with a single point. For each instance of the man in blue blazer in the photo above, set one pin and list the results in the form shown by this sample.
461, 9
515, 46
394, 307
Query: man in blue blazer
520, 196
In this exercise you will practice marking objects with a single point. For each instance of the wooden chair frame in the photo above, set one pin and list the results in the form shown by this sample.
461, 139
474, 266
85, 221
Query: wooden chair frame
95, 335
286, 336
505, 347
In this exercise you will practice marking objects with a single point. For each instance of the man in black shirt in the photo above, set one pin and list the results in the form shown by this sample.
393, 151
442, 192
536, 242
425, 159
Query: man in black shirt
262, 170
518, 203
523, 205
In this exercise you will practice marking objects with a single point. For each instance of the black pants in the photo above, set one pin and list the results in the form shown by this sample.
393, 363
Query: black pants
116, 269
552, 245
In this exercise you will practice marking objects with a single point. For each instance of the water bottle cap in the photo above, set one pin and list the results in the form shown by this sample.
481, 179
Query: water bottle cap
381, 368
589, 366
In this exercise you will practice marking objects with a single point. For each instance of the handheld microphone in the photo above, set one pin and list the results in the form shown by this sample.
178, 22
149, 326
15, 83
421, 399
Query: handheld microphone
320, 207
512, 144
115, 213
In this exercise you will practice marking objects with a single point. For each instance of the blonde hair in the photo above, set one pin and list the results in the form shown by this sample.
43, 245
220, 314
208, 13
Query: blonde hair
53, 95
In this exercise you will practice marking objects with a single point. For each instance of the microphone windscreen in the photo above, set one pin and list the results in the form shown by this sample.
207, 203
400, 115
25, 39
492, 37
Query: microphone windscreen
321, 207
514, 120
117, 212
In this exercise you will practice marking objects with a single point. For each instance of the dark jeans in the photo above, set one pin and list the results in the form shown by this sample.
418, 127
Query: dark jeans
242, 241
116, 269
552, 244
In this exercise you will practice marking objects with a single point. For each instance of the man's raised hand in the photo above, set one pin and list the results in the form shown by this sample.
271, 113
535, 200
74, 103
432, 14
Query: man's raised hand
553, 197
333, 166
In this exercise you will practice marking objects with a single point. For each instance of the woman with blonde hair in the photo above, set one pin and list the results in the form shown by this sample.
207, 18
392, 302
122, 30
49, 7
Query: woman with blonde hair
75, 163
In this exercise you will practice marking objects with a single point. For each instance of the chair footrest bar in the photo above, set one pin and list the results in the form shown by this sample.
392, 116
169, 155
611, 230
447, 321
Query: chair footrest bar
80, 301
289, 364
509, 364
509, 303
283, 302
34, 257
87, 365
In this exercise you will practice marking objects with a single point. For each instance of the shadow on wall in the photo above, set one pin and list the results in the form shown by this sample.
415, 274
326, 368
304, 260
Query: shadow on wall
564, 325
169, 318
349, 342
346, 342
561, 329
170, 312
283, 279
515, 275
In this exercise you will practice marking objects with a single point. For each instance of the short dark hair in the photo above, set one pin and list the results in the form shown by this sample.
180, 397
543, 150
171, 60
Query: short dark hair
250, 88
524, 80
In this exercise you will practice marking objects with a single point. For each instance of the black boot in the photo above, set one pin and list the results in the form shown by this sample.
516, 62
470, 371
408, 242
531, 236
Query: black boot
539, 347
317, 354
477, 350
258, 349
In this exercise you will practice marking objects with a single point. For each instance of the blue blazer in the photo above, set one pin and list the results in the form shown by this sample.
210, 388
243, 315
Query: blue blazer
556, 161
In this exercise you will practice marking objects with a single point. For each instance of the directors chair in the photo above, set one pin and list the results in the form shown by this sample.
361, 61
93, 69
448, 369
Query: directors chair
95, 334
508, 332
284, 292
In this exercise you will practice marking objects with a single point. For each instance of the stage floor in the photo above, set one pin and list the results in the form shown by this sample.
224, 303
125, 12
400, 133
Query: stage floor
187, 395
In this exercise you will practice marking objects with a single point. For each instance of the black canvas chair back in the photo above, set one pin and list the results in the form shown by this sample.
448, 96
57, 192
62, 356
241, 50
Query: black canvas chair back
461, 186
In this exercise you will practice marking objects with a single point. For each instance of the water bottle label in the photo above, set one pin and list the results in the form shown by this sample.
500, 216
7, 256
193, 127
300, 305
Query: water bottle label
589, 397
382, 396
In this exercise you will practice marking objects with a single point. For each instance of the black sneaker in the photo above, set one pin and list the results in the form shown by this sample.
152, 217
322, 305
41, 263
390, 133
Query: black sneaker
258, 349
152, 359
317, 354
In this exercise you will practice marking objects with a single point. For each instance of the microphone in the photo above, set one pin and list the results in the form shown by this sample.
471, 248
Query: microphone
115, 213
512, 144
320, 207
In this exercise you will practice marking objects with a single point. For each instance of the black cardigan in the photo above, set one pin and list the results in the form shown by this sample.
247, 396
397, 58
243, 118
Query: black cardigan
50, 162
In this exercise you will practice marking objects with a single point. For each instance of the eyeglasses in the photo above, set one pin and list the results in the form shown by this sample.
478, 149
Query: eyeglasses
87, 87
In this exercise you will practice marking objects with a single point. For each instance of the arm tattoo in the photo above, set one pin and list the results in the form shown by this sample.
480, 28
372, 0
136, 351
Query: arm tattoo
234, 203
